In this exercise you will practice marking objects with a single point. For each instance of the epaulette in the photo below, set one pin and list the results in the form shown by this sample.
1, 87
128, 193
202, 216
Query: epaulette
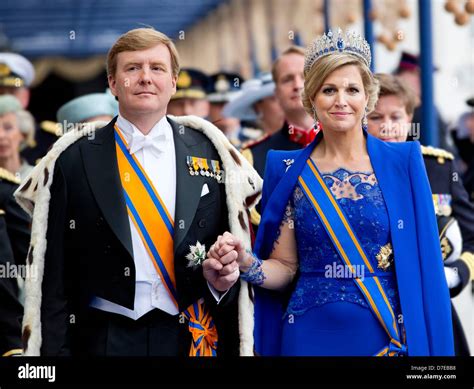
51, 127
441, 154
253, 142
7, 176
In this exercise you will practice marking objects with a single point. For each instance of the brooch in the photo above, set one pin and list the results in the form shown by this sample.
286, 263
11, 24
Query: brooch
197, 255
288, 163
385, 257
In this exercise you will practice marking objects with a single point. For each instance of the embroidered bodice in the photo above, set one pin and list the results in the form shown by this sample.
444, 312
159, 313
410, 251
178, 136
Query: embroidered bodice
323, 278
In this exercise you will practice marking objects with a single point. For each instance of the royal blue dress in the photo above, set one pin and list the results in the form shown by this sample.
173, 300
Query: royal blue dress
330, 317
327, 313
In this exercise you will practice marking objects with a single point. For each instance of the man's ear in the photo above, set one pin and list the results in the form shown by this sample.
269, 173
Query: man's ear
174, 80
112, 84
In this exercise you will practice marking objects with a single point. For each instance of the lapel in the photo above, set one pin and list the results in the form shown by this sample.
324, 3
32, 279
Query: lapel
100, 163
388, 174
393, 182
188, 187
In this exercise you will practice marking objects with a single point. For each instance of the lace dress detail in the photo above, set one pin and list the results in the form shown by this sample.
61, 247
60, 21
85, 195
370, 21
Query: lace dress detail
322, 279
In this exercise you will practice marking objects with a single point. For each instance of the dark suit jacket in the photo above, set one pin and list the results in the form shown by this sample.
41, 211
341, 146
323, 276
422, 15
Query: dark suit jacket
89, 251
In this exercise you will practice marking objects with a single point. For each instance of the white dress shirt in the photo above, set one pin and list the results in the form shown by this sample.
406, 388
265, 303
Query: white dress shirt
159, 163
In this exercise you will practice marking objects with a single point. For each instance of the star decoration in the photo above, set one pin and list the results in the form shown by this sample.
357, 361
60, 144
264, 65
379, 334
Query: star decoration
197, 255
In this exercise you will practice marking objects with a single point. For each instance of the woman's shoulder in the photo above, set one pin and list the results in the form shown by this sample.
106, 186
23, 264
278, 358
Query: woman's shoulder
396, 150
279, 161
274, 155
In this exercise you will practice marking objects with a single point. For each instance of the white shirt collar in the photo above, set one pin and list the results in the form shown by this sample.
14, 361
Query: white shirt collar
128, 128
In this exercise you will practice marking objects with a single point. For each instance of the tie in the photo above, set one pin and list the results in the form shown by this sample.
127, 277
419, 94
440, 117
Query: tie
156, 143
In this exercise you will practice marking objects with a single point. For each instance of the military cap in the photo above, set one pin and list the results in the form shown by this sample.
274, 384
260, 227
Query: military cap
224, 87
192, 84
15, 70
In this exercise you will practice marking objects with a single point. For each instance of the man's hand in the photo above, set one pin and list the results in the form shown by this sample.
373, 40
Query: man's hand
221, 268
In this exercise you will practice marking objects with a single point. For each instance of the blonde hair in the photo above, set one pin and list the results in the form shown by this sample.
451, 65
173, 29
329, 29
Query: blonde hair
323, 67
395, 86
141, 39
290, 50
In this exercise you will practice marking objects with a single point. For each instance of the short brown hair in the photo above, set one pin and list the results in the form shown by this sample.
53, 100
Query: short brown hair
141, 39
395, 86
314, 78
289, 50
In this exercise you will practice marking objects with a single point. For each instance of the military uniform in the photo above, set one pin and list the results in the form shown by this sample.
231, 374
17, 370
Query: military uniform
455, 215
14, 240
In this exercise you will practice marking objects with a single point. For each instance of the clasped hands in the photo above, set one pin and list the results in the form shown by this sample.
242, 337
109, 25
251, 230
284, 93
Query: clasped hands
224, 261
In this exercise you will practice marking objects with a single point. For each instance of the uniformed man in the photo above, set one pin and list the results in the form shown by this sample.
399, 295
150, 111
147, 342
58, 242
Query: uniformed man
223, 88
390, 121
455, 214
463, 136
297, 130
191, 94
14, 238
16, 77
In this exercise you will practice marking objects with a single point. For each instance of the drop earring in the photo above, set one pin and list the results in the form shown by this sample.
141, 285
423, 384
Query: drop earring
365, 125
317, 126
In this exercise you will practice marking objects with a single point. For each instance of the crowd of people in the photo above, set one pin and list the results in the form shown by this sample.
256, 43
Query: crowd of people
179, 213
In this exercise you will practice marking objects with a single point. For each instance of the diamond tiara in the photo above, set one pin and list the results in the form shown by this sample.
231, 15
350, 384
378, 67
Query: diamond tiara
338, 42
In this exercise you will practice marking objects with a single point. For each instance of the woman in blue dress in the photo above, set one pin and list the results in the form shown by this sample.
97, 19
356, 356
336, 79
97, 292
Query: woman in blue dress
348, 230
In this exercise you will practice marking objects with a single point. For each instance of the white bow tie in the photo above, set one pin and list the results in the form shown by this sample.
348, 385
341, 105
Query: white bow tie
156, 143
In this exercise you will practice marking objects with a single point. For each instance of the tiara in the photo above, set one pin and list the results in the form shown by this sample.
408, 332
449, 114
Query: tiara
337, 42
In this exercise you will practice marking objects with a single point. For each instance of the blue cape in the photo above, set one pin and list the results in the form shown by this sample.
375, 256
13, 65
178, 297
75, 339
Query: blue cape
423, 291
